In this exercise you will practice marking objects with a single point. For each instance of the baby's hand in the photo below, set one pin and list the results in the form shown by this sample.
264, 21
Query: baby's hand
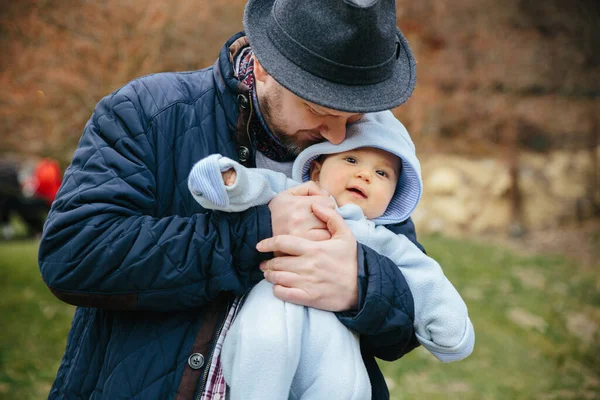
229, 177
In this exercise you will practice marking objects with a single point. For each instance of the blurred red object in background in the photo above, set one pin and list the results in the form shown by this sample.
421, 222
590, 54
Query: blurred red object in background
45, 180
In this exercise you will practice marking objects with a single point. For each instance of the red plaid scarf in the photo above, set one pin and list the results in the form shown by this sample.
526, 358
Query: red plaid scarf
262, 137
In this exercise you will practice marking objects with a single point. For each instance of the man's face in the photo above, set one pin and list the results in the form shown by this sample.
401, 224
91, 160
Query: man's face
366, 177
296, 122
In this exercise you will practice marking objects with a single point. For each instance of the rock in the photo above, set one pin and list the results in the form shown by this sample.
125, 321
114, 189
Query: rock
527, 320
452, 210
500, 184
436, 225
472, 293
582, 327
560, 288
494, 217
530, 278
458, 387
482, 173
444, 182
566, 172
391, 384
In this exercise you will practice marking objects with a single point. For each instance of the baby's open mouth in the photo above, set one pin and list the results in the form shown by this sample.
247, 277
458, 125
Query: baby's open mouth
357, 192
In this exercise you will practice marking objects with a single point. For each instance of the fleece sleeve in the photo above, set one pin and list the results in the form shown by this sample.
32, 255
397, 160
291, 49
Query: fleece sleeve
441, 319
252, 187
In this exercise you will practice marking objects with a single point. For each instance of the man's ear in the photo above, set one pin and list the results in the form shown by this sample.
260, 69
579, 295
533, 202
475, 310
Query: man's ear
315, 170
259, 72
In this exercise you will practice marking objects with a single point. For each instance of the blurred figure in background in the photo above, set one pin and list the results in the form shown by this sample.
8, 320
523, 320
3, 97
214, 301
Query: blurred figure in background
45, 181
10, 191
31, 200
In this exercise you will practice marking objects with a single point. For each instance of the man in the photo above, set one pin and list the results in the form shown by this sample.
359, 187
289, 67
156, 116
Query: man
154, 274
10, 193
32, 208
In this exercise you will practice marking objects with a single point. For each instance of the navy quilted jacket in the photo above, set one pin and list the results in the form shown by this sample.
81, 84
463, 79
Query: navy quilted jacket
146, 265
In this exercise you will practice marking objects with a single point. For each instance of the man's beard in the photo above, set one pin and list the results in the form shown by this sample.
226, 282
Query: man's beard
269, 109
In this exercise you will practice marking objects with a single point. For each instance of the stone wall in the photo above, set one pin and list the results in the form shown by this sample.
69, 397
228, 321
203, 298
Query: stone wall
473, 196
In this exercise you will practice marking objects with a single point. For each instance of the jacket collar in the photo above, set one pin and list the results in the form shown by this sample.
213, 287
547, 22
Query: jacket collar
250, 129
228, 86
234, 98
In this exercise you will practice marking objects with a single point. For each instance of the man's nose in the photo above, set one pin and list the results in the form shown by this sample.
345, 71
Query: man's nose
334, 130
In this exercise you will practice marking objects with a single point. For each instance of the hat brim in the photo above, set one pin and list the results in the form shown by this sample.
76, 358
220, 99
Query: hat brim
384, 95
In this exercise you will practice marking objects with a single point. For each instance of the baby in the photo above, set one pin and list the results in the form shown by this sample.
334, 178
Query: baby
281, 350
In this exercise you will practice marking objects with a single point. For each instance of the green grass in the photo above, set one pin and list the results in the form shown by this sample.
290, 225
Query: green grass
34, 324
535, 357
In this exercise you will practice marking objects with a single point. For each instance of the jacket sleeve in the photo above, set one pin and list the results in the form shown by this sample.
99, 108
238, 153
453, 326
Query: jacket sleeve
105, 246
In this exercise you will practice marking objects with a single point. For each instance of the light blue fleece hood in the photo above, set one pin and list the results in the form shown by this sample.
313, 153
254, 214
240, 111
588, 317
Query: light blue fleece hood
383, 131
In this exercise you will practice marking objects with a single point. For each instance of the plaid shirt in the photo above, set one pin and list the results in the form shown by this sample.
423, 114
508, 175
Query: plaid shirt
215, 387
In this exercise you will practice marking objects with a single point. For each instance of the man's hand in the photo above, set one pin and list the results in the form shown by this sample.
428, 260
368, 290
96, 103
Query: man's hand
291, 212
319, 274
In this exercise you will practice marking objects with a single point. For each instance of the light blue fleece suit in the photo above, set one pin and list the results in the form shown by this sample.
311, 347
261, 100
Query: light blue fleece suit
274, 348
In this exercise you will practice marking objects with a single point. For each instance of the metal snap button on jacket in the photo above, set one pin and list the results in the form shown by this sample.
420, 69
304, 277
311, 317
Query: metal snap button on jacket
243, 153
243, 100
196, 361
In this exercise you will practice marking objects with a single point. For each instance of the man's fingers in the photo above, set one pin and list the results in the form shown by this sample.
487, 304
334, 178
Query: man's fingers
324, 201
287, 244
292, 295
335, 222
286, 263
282, 278
318, 235
309, 188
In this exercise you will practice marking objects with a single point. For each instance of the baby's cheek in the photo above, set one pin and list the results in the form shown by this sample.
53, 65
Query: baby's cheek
331, 187
341, 199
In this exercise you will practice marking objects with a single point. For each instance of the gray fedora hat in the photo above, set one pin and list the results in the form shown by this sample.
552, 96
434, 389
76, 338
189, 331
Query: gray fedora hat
347, 55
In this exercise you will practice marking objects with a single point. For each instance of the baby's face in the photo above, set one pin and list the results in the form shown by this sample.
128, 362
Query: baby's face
366, 177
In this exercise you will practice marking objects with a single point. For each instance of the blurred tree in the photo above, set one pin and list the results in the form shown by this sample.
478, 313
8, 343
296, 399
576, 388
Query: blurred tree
60, 58
481, 63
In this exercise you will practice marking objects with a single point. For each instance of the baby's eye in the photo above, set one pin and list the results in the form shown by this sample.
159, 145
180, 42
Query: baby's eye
351, 160
381, 173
